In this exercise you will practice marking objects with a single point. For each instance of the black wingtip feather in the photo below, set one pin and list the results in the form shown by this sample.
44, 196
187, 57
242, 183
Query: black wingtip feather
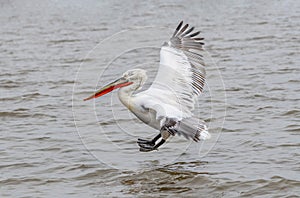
183, 29
178, 28
188, 31
194, 34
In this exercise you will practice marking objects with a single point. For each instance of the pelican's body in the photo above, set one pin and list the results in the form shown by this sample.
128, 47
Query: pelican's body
168, 103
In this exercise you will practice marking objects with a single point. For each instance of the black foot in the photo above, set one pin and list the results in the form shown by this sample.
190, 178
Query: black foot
145, 142
150, 147
147, 147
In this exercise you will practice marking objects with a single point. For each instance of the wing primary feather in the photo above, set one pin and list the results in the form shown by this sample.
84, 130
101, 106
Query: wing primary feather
177, 29
182, 30
188, 31
194, 34
198, 39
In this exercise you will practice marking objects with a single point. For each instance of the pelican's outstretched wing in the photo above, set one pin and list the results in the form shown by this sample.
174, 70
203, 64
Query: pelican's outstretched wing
181, 75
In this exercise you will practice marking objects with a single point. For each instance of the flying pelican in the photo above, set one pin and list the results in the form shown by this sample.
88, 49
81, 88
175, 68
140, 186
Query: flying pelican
168, 103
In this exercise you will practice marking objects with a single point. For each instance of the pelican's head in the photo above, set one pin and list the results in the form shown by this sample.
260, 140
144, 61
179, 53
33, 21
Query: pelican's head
133, 79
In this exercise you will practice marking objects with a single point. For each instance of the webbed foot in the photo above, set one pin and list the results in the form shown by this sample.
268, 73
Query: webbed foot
145, 142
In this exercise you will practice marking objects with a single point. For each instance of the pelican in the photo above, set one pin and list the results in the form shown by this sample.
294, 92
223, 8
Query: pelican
169, 102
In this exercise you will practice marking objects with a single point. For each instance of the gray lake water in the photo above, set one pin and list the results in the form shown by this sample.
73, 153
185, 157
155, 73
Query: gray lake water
55, 53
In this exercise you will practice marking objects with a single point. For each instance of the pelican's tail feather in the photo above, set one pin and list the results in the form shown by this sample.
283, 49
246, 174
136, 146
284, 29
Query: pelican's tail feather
192, 128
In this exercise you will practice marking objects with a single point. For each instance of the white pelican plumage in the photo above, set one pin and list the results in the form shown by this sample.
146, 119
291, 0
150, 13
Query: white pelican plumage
168, 103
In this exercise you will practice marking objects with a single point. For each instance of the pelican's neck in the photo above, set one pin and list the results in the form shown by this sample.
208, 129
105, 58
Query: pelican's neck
125, 95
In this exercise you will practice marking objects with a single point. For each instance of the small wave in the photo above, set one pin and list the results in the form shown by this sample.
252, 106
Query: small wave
277, 89
260, 38
289, 70
14, 114
9, 99
61, 82
82, 167
55, 149
269, 187
17, 165
32, 95
171, 6
64, 41
77, 60
290, 145
7, 86
291, 112
266, 97
258, 23
97, 29
259, 96
22, 109
96, 174
111, 122
294, 81
229, 130
265, 107
292, 128
41, 138
16, 181
234, 89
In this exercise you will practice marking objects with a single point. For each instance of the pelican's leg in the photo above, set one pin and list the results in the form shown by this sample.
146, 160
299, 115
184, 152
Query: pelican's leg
147, 147
165, 132
149, 142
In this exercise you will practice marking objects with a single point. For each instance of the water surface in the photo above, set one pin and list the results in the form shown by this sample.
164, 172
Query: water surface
50, 149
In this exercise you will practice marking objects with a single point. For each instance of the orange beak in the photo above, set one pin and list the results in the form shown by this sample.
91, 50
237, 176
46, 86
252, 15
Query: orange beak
121, 82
